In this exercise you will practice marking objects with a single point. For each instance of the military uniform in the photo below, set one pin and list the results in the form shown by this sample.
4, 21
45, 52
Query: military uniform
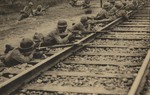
53, 38
15, 57
20, 55
82, 26
104, 12
38, 11
104, 16
57, 36
27, 11
101, 15
121, 12
129, 6
87, 1
141, 2
112, 11
86, 4
38, 39
8, 48
78, 27
112, 7
73, 3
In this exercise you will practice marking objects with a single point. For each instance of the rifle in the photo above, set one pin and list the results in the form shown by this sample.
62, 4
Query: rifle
40, 51
44, 9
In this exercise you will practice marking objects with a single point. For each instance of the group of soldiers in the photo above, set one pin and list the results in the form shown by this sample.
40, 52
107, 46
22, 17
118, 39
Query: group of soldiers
114, 9
84, 4
28, 10
27, 49
110, 11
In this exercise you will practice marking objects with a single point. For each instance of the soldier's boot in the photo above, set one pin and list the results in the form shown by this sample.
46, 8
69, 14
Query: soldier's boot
23, 16
8, 48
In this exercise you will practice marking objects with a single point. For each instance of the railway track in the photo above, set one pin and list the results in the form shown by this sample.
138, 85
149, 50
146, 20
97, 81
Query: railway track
112, 63
7, 73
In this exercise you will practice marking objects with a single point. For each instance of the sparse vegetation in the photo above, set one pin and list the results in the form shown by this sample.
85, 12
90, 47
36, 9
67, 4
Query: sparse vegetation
12, 32
11, 6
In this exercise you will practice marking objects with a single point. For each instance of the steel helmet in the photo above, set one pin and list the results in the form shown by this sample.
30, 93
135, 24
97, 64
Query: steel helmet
124, 3
26, 44
83, 19
88, 11
38, 37
39, 6
118, 4
111, 1
106, 5
62, 23
31, 3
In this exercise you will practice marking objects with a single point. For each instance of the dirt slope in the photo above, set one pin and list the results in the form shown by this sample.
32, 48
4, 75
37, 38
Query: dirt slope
12, 32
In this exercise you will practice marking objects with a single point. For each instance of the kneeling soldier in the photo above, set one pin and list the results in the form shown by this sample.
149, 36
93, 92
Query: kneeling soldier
27, 11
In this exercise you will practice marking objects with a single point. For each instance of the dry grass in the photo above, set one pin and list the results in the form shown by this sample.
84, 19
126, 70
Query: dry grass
12, 33
8, 7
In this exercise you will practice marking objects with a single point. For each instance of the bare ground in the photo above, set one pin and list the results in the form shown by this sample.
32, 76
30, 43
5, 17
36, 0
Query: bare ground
12, 32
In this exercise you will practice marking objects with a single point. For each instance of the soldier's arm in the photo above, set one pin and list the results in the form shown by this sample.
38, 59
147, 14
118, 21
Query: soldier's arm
21, 58
74, 29
53, 34
66, 39
32, 13
99, 15
59, 39
105, 20
70, 34
24, 9
39, 12
125, 15
89, 28
82, 28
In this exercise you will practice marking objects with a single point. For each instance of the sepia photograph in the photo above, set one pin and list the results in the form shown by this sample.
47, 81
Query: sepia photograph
74, 47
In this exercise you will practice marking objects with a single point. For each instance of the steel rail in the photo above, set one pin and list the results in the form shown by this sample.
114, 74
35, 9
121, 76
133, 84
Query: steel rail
14, 83
139, 81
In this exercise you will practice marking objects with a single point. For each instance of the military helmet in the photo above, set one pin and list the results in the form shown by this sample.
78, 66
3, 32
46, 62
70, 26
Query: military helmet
26, 44
83, 19
39, 6
31, 3
88, 11
111, 1
118, 4
106, 5
62, 23
124, 3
